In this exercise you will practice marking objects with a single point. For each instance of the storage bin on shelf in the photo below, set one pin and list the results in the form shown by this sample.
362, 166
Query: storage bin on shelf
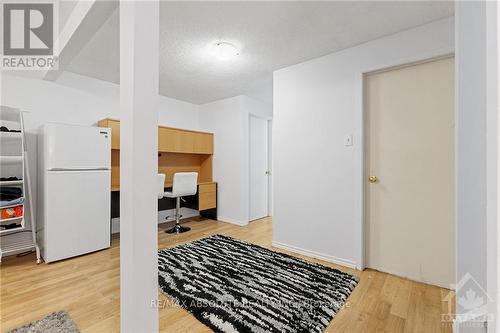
11, 212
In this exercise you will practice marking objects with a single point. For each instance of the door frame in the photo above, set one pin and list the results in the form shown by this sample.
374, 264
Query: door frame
363, 171
270, 198
269, 121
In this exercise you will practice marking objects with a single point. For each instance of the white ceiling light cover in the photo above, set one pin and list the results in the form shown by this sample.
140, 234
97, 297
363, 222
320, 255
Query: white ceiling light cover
224, 51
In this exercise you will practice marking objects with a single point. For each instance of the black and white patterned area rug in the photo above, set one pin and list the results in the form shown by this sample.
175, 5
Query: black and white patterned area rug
232, 286
57, 322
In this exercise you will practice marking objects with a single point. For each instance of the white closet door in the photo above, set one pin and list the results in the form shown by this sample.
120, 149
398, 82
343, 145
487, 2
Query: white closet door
258, 168
410, 149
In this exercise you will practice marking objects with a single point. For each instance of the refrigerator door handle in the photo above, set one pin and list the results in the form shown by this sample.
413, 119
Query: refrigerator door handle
78, 169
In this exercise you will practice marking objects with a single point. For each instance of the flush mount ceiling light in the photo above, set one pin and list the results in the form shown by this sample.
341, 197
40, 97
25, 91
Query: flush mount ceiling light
224, 51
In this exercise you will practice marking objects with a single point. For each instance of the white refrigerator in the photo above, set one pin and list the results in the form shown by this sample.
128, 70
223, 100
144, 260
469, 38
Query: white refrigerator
74, 190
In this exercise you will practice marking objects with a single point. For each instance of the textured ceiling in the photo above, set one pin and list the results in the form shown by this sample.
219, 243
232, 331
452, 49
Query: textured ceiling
270, 35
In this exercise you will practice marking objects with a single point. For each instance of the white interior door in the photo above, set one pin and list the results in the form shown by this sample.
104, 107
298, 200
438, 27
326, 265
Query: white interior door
258, 168
410, 149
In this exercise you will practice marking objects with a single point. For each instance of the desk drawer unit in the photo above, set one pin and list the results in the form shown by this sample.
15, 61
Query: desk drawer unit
207, 196
205, 188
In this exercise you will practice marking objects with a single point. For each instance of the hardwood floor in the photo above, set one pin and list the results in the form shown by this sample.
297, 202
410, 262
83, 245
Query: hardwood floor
87, 287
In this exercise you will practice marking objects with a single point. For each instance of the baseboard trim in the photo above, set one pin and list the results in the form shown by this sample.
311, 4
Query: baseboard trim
232, 221
334, 260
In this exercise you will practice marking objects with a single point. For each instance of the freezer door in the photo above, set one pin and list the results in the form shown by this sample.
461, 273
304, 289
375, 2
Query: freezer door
77, 213
76, 147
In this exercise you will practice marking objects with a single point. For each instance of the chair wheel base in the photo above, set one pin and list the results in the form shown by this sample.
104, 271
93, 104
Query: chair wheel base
177, 229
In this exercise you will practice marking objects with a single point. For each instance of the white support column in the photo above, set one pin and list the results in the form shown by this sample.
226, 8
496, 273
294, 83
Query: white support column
139, 47
473, 157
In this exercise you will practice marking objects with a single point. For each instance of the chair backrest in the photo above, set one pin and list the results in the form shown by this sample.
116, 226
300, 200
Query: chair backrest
161, 185
185, 183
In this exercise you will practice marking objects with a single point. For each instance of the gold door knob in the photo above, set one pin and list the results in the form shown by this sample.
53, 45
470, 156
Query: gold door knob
373, 179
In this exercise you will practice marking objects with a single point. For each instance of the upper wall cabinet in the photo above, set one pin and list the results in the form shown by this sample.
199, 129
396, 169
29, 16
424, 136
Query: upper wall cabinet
169, 139
181, 141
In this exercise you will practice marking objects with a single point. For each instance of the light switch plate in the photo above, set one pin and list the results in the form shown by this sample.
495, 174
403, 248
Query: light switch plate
348, 140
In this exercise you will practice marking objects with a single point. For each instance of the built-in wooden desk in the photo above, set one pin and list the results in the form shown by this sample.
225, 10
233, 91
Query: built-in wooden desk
179, 150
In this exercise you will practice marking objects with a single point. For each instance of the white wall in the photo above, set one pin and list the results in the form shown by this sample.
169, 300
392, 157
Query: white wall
76, 99
228, 120
257, 108
318, 182
262, 91
176, 113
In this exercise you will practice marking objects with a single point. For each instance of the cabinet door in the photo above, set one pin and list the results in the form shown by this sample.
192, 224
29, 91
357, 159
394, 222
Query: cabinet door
207, 196
115, 134
176, 141
165, 140
203, 143
207, 200
204, 188
186, 141
179, 141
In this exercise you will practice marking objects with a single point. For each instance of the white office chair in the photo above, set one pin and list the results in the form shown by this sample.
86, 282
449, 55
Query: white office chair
185, 183
161, 185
